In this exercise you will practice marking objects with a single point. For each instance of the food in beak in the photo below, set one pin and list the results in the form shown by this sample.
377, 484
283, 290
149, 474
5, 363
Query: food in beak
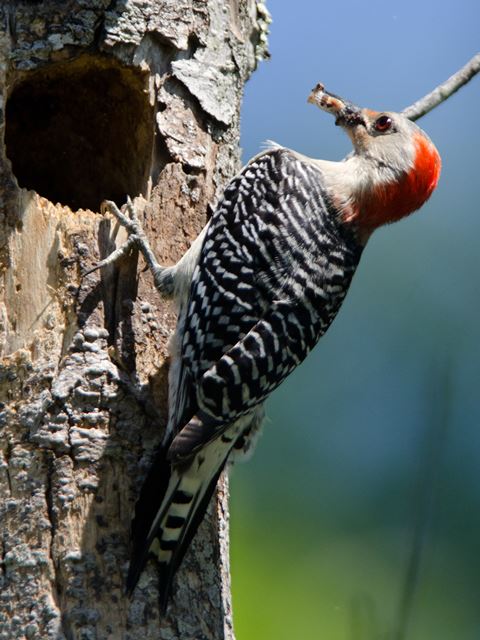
346, 114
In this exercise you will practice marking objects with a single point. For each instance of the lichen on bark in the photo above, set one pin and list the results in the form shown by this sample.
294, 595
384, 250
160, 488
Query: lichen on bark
103, 99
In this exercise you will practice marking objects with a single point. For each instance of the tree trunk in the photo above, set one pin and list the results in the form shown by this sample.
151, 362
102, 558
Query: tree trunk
100, 100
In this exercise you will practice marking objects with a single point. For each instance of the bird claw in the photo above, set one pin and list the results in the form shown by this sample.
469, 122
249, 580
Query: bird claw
116, 255
138, 240
131, 222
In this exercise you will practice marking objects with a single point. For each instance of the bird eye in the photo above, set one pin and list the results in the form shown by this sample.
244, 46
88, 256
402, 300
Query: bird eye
383, 123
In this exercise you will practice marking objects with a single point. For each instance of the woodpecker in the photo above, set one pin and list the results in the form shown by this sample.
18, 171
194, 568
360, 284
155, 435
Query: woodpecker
255, 292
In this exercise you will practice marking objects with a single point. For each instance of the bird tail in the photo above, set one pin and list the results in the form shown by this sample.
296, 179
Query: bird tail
166, 532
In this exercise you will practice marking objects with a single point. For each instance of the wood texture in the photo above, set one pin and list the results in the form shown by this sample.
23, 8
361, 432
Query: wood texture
98, 100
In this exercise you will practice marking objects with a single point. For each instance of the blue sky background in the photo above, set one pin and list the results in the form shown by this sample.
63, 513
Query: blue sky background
323, 516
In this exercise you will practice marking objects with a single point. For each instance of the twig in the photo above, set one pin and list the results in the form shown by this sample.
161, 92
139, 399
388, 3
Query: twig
443, 91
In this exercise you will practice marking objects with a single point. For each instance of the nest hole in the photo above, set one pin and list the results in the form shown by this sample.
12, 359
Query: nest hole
81, 132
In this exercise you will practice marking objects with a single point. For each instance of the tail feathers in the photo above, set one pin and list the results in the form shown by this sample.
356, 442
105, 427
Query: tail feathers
171, 545
177, 519
142, 527
154, 489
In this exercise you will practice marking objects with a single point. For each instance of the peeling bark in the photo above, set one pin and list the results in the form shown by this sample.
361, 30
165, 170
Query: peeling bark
100, 100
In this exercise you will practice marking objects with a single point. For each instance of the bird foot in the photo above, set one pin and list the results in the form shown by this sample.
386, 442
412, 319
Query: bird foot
137, 239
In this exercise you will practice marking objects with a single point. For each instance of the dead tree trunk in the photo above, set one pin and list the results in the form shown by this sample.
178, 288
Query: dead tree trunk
98, 100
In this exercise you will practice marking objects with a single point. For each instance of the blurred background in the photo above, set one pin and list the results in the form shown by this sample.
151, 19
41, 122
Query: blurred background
358, 517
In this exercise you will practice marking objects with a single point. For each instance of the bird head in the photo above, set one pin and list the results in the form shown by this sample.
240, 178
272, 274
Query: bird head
398, 166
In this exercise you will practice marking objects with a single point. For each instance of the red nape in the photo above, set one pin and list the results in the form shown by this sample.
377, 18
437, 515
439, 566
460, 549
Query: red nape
427, 166
391, 201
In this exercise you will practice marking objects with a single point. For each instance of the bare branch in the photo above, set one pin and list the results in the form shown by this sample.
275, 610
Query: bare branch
443, 91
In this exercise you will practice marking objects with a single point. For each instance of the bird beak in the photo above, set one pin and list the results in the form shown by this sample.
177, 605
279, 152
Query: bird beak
346, 114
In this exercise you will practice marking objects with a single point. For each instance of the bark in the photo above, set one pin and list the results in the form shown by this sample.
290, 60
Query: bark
100, 100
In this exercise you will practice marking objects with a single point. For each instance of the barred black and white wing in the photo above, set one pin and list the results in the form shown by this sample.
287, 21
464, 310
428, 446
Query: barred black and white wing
274, 269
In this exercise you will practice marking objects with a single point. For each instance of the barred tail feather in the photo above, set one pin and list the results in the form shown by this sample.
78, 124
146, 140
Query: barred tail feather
177, 491
172, 527
170, 546
153, 493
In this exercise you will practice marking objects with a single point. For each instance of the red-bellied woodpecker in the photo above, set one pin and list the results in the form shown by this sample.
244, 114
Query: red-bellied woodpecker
256, 291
